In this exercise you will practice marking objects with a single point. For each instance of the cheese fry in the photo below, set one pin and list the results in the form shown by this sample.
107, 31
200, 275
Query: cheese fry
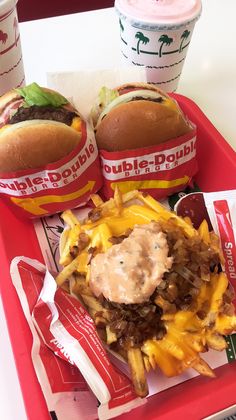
203, 368
187, 312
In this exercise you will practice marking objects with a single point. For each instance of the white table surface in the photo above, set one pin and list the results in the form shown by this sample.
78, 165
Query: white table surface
91, 40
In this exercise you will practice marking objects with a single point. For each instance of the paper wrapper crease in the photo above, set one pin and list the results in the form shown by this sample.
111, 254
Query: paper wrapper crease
68, 331
159, 170
65, 184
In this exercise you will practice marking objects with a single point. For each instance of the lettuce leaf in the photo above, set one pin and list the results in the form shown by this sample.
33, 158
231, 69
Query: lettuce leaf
33, 94
105, 97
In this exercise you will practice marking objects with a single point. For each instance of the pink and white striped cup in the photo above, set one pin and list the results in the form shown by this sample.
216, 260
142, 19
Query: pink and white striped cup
11, 62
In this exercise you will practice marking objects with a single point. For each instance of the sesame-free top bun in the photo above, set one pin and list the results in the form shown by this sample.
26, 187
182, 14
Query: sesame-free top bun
139, 124
145, 116
35, 143
38, 126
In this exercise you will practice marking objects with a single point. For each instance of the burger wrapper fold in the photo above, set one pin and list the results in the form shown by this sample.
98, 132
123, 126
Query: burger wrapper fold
159, 170
68, 333
65, 184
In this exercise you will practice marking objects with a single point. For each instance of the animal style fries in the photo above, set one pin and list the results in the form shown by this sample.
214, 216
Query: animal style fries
151, 282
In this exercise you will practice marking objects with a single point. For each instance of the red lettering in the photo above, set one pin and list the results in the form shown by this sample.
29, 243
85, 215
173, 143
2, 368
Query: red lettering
38, 180
117, 169
20, 185
107, 169
143, 164
170, 158
127, 166
186, 150
82, 159
66, 173
54, 176
159, 159
28, 181
76, 166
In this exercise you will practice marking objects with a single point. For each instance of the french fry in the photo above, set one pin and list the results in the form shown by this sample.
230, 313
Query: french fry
216, 341
136, 364
68, 271
69, 218
203, 368
165, 214
187, 332
203, 232
96, 199
111, 336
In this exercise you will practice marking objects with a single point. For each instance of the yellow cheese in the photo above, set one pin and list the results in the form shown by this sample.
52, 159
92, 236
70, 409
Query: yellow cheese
76, 123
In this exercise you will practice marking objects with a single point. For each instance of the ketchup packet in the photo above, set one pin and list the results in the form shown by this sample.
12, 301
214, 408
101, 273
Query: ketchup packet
219, 209
159, 170
67, 183
69, 334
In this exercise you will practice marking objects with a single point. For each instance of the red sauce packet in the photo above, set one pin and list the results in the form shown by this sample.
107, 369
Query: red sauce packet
65, 184
219, 209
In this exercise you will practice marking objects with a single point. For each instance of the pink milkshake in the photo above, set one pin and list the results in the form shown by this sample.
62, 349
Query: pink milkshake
155, 34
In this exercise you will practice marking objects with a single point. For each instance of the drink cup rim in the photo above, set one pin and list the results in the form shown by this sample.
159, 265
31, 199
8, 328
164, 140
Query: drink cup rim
152, 26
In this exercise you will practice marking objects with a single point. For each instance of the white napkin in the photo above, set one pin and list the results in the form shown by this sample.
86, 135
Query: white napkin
82, 87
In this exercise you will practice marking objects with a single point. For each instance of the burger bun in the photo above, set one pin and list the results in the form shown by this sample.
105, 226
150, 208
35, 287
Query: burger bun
35, 143
140, 123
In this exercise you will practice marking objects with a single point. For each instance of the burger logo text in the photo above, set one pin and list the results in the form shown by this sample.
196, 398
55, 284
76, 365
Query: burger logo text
154, 162
50, 179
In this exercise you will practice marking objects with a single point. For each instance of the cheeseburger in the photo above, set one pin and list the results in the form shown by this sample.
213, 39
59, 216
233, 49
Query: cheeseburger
136, 115
37, 126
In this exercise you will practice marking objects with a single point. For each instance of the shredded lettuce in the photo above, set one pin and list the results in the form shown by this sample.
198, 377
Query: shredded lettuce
105, 97
33, 94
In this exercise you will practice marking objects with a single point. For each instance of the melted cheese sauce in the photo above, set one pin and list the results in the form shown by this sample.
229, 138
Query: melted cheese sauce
129, 272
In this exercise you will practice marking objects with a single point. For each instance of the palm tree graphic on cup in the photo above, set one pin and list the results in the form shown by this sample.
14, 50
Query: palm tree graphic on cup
165, 40
141, 38
121, 25
184, 36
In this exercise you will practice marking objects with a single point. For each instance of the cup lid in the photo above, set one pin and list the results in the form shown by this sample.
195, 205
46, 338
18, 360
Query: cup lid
167, 12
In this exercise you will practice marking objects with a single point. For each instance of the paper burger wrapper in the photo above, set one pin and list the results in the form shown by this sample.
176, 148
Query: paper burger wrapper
68, 332
65, 184
159, 170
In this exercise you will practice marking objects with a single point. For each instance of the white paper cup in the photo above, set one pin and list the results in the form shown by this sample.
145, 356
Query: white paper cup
155, 34
11, 62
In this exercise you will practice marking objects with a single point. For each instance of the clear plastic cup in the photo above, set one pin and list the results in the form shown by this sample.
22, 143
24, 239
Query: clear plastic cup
11, 62
156, 34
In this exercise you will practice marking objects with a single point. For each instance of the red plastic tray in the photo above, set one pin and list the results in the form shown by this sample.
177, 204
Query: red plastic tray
195, 398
